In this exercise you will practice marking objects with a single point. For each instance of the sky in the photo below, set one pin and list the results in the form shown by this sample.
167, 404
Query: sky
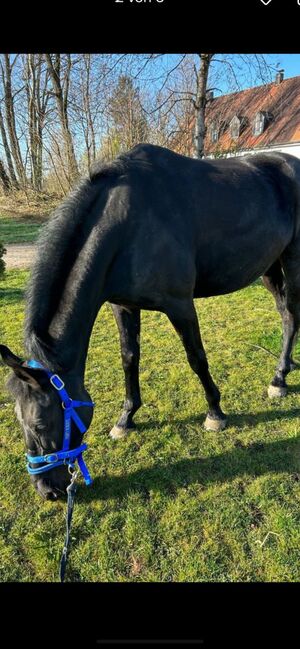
248, 76
220, 77
290, 63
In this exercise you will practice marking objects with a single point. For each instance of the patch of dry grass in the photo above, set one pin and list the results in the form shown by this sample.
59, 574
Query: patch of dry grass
28, 205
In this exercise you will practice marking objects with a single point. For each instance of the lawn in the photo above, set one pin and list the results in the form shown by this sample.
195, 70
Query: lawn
19, 230
171, 502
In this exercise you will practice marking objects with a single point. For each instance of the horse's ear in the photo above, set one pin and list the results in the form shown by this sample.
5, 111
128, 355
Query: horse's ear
9, 358
34, 377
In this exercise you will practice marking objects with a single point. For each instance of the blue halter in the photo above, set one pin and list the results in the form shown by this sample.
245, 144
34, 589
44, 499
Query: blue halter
65, 456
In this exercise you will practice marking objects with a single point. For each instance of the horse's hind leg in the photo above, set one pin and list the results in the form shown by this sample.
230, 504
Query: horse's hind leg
286, 292
128, 321
184, 319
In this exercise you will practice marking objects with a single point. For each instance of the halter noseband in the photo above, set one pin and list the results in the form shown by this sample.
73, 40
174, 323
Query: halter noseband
66, 455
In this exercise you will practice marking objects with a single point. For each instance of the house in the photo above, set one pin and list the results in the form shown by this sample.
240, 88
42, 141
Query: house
264, 118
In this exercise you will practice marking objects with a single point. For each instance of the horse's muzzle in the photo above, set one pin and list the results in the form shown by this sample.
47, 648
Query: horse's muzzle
53, 485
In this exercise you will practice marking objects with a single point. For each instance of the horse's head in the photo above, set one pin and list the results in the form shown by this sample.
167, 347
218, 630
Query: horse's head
41, 415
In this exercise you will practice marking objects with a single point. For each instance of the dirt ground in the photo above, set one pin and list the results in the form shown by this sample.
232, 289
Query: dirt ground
19, 255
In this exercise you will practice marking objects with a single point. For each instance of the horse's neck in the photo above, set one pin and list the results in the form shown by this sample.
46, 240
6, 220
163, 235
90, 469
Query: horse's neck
72, 324
67, 285
65, 345
64, 337
66, 341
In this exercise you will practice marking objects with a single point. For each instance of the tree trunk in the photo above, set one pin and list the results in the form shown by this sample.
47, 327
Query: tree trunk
13, 178
35, 117
61, 96
40, 108
30, 91
4, 179
90, 131
42, 98
200, 104
11, 121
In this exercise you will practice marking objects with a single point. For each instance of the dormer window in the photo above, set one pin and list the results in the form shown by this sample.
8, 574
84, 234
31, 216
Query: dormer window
214, 132
259, 123
235, 127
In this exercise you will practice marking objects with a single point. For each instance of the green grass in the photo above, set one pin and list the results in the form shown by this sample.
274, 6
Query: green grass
19, 230
171, 502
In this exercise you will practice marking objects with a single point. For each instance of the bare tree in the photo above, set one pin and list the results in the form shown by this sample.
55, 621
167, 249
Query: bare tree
200, 103
4, 179
88, 120
13, 178
231, 71
126, 120
6, 66
36, 85
61, 85
53, 105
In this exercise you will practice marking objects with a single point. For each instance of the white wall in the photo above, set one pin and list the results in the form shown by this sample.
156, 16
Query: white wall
293, 149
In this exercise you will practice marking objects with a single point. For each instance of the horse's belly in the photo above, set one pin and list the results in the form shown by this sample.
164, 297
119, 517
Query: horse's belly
223, 272
217, 286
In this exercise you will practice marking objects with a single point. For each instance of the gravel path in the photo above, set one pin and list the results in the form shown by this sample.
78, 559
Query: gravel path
19, 255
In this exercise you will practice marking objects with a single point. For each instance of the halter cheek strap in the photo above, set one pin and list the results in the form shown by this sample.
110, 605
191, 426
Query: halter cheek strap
66, 455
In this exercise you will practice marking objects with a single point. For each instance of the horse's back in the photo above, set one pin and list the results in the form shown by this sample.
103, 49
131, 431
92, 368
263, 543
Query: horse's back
210, 226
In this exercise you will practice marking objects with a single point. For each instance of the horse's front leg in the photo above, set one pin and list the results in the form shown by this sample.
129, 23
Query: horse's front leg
129, 324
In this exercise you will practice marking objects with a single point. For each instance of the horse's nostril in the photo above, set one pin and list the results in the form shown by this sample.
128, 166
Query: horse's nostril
52, 495
49, 494
45, 491
54, 488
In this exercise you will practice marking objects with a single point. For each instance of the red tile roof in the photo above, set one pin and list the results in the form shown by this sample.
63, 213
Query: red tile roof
281, 100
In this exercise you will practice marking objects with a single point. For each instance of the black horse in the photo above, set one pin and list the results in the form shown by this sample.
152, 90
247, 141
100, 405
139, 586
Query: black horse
152, 230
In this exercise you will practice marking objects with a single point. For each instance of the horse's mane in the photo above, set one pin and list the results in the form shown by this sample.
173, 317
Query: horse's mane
57, 250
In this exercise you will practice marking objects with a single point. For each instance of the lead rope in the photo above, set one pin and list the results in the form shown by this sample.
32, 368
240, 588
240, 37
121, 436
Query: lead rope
71, 491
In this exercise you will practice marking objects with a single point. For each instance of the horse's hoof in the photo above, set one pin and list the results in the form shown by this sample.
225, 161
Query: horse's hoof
214, 424
276, 391
118, 433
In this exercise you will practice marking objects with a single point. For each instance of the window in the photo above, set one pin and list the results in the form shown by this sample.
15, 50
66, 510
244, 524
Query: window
235, 127
214, 132
259, 124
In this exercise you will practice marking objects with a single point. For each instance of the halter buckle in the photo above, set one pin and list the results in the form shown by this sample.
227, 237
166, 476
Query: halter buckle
51, 457
57, 383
